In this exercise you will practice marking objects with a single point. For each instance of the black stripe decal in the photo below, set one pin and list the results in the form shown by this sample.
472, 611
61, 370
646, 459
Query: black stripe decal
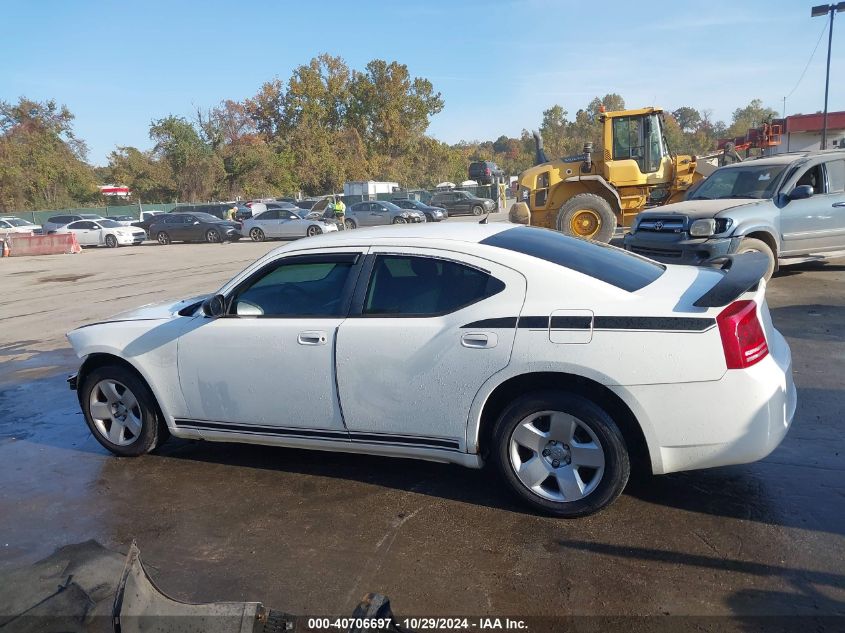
533, 322
381, 438
676, 324
667, 324
503, 322
571, 322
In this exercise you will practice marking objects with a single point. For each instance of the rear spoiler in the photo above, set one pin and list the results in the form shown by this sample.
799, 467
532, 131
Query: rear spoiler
742, 273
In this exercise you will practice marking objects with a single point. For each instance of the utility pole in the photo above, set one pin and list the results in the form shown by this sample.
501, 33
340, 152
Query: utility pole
819, 10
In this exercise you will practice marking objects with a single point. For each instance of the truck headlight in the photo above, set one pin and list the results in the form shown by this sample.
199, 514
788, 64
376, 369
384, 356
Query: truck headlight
703, 228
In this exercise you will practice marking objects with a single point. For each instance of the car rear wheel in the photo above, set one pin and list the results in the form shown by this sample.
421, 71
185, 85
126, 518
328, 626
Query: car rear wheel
752, 245
477, 210
163, 238
399, 220
257, 235
313, 230
212, 236
561, 453
587, 216
111, 241
120, 411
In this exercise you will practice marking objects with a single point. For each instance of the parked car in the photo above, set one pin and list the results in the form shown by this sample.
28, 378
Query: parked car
193, 227
58, 221
147, 218
379, 212
123, 220
462, 202
283, 223
103, 233
432, 214
560, 360
12, 224
486, 172
787, 207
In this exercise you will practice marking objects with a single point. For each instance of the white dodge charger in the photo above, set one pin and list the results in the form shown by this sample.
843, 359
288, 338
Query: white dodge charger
559, 360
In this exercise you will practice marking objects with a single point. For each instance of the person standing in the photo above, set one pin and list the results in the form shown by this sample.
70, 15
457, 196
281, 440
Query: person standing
340, 214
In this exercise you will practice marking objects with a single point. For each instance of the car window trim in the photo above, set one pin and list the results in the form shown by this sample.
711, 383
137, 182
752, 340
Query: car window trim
365, 278
323, 258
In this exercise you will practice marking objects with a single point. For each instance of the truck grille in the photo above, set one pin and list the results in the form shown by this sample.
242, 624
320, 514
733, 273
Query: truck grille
661, 225
657, 253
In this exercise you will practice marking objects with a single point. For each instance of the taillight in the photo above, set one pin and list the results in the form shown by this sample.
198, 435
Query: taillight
742, 335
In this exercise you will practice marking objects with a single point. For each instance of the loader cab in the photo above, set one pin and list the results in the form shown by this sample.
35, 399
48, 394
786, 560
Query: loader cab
635, 149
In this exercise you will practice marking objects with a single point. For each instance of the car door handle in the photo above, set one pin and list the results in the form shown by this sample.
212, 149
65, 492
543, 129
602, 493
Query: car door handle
312, 337
482, 340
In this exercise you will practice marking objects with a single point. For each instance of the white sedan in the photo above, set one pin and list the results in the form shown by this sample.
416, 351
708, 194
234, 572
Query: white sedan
284, 223
104, 233
560, 360
12, 224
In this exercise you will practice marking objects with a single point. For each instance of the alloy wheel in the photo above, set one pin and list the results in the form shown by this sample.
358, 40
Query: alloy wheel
115, 412
556, 456
312, 231
212, 236
257, 235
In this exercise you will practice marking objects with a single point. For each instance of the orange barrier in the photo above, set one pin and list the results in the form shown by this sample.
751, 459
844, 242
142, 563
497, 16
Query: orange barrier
21, 245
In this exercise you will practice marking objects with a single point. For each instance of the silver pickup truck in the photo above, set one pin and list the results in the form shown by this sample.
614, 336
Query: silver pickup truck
788, 207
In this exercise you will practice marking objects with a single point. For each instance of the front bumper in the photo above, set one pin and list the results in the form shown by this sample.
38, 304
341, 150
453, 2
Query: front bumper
675, 248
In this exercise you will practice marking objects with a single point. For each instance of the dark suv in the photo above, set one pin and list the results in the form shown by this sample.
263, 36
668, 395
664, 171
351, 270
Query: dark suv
457, 202
486, 172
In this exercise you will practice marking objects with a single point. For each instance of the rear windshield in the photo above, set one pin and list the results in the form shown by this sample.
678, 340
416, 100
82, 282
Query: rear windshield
604, 262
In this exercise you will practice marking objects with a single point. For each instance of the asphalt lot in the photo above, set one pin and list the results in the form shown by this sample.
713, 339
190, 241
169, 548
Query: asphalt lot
309, 532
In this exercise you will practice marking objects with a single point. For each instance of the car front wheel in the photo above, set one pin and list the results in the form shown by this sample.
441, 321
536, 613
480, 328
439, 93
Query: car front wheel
120, 411
111, 241
561, 453
399, 220
477, 210
212, 236
349, 224
313, 230
751, 245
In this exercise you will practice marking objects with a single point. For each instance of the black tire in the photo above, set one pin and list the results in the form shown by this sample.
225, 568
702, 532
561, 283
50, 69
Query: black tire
399, 220
257, 235
163, 238
750, 244
349, 224
313, 230
212, 236
111, 241
573, 209
153, 431
617, 467
477, 210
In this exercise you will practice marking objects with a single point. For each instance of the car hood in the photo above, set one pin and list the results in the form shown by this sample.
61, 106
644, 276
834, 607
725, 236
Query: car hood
156, 311
696, 209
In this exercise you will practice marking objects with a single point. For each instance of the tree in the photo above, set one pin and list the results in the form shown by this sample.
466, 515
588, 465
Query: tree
196, 168
688, 118
149, 179
751, 116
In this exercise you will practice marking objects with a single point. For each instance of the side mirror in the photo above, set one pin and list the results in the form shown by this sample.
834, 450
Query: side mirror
214, 306
801, 192
196, 222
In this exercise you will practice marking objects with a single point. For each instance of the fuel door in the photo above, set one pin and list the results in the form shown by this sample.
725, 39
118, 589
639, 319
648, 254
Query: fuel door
571, 326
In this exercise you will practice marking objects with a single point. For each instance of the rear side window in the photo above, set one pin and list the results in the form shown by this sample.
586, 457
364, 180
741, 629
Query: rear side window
603, 262
425, 286
836, 176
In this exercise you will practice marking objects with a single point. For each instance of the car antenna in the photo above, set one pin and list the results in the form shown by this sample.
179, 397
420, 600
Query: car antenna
484, 220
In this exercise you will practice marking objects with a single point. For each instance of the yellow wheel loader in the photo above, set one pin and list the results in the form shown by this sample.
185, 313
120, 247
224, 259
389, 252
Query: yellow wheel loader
588, 195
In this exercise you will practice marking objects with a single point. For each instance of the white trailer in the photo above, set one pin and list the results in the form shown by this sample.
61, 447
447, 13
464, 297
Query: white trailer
369, 188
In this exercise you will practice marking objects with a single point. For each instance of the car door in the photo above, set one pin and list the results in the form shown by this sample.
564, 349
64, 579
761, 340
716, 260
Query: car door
379, 214
835, 171
270, 360
810, 224
421, 339
86, 232
290, 224
269, 223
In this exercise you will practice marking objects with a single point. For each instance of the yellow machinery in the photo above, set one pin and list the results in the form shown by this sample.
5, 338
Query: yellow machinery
589, 195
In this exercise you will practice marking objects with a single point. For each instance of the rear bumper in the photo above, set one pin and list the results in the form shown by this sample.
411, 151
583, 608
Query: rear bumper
669, 249
738, 419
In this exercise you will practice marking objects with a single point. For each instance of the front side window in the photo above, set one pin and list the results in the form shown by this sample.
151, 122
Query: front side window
407, 285
812, 177
77, 225
299, 286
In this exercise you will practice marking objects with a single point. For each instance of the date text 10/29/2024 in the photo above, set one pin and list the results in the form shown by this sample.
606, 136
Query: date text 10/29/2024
418, 624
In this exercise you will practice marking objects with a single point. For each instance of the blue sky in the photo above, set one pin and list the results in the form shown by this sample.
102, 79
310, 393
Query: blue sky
498, 63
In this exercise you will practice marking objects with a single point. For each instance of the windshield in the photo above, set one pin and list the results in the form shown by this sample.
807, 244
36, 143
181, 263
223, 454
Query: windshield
747, 181
18, 222
109, 224
391, 206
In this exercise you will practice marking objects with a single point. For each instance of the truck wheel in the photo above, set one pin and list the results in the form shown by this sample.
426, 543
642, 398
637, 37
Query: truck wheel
587, 216
752, 245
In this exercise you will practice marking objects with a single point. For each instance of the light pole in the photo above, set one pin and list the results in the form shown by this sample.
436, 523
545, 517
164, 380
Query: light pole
824, 9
